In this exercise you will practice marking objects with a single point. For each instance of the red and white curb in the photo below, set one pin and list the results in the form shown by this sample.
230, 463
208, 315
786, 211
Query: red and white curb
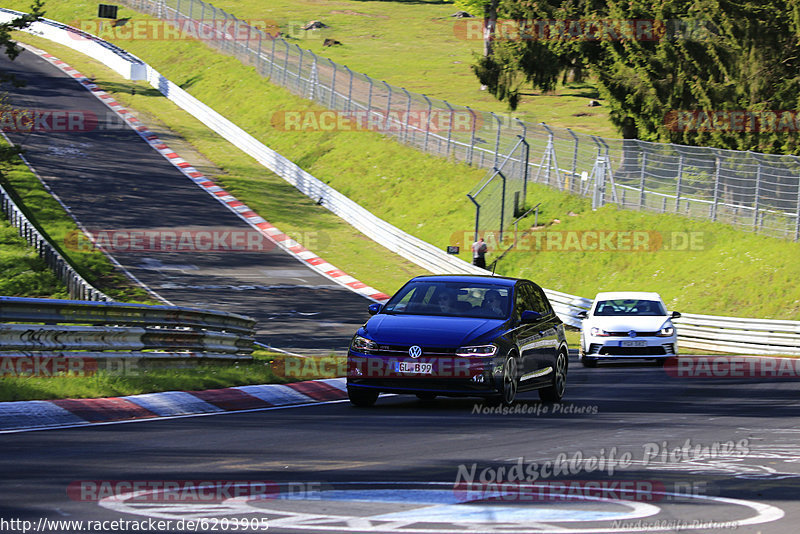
252, 218
62, 413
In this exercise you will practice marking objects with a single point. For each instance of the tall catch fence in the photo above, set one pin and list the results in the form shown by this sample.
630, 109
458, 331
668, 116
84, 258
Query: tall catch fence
757, 192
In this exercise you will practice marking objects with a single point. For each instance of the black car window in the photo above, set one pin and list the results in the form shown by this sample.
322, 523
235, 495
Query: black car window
630, 307
541, 303
450, 298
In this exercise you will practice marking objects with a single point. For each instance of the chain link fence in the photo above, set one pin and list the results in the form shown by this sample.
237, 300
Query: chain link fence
757, 192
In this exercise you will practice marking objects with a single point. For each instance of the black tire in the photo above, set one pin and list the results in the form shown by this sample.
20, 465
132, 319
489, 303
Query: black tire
363, 398
510, 381
426, 396
555, 391
589, 362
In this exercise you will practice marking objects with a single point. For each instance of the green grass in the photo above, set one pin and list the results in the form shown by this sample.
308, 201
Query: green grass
24, 273
145, 379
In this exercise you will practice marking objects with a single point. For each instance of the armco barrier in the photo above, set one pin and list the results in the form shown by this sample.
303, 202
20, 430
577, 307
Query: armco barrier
77, 286
84, 329
723, 334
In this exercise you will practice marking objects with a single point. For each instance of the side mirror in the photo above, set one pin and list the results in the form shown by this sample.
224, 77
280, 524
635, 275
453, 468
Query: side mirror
675, 315
530, 316
583, 314
375, 308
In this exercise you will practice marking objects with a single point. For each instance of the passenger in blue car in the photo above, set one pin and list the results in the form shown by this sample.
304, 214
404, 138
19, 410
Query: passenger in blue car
447, 302
492, 305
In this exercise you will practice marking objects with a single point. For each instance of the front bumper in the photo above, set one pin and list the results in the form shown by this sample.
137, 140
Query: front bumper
449, 375
642, 347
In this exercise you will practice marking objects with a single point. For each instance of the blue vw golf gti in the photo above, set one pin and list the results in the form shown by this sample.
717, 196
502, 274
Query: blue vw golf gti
461, 336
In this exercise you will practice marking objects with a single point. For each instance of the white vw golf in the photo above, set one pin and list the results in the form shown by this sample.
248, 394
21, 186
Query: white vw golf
627, 324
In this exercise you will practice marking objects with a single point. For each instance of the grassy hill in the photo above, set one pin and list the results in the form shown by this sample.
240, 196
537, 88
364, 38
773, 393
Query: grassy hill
724, 272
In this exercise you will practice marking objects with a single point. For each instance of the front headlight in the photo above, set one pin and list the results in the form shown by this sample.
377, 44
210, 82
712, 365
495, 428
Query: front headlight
667, 331
476, 351
362, 344
598, 332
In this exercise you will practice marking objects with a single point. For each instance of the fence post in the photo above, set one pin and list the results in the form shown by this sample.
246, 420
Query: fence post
641, 181
526, 154
497, 142
286, 65
678, 185
349, 103
427, 122
717, 165
333, 84
408, 115
388, 107
755, 197
549, 152
473, 127
369, 98
477, 215
300, 72
598, 193
272, 57
797, 213
573, 176
450, 129
259, 59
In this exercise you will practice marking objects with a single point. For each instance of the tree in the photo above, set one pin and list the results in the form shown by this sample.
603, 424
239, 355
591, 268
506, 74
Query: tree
488, 9
9, 46
12, 51
653, 60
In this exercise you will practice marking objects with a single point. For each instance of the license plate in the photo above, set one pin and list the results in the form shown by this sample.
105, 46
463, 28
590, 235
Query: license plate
633, 343
414, 367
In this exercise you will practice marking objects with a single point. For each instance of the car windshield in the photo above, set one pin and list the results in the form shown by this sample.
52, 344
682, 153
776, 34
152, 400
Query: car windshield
629, 307
454, 299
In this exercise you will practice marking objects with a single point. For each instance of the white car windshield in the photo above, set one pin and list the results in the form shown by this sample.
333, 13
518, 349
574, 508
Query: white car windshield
628, 307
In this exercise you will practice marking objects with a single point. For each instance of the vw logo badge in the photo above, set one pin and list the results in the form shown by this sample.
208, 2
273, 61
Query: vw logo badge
632, 333
415, 351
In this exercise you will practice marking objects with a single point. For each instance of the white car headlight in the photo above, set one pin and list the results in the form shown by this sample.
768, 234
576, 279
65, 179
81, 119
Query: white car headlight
598, 332
667, 331
362, 344
477, 351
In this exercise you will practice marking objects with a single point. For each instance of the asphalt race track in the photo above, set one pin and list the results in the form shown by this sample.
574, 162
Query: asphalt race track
633, 448
113, 181
677, 451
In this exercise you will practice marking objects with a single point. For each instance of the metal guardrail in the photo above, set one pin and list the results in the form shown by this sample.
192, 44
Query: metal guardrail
64, 328
77, 286
715, 333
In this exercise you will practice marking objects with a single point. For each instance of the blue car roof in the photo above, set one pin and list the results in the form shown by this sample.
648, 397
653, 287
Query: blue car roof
487, 279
